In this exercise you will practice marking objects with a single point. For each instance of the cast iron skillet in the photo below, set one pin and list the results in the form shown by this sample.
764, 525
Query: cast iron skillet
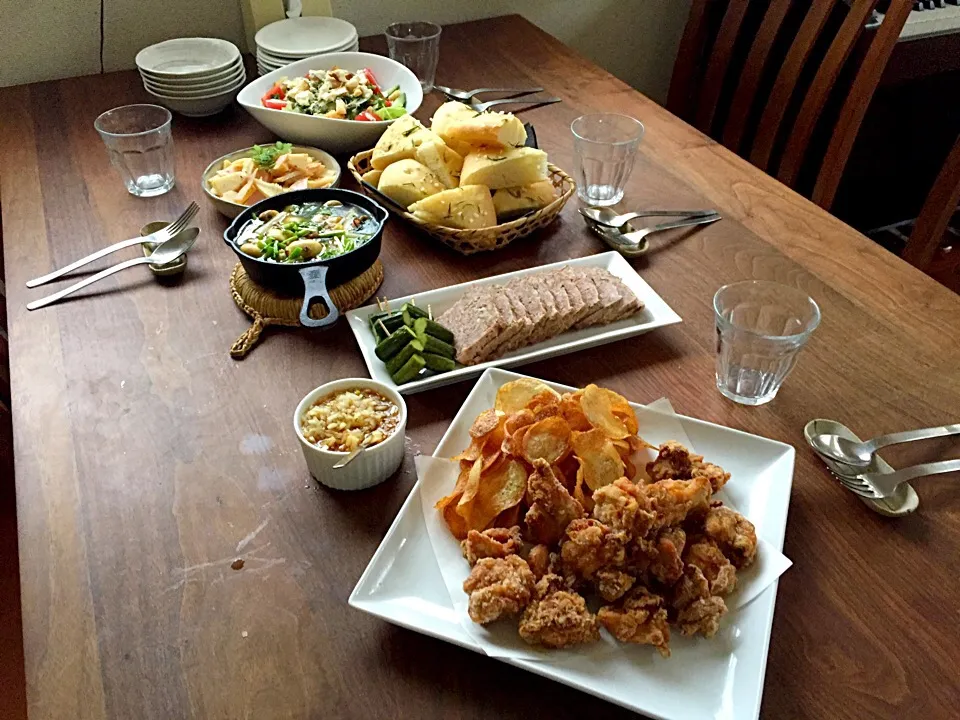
310, 279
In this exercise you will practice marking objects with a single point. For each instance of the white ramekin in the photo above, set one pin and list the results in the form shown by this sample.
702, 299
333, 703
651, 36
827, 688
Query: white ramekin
369, 468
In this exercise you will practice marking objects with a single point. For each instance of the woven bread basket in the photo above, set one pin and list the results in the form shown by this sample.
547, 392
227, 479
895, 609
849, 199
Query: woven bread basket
468, 242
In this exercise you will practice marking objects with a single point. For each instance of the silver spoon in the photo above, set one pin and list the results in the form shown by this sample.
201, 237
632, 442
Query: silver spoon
634, 243
860, 454
165, 252
349, 458
607, 216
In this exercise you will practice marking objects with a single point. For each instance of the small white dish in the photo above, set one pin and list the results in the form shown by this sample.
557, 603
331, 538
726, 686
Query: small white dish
236, 75
717, 679
232, 209
305, 36
187, 57
337, 136
656, 313
286, 58
373, 465
213, 76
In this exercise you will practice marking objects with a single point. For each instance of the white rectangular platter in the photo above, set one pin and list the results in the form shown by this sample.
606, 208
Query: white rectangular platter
720, 678
656, 313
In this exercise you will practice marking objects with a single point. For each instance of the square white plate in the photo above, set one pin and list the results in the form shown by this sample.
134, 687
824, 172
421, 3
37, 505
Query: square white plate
720, 678
656, 313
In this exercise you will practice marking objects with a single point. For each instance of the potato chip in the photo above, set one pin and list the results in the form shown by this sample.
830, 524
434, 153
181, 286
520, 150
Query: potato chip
566, 471
508, 518
572, 412
517, 420
472, 485
584, 498
448, 506
548, 440
620, 407
598, 407
629, 469
516, 394
485, 423
499, 489
473, 452
599, 459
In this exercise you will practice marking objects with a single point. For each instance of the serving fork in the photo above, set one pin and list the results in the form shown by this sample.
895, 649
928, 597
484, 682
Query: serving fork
634, 243
158, 237
468, 95
878, 485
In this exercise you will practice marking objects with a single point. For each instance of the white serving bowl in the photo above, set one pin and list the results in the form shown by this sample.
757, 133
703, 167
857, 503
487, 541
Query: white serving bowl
232, 209
196, 107
338, 136
187, 57
305, 36
369, 468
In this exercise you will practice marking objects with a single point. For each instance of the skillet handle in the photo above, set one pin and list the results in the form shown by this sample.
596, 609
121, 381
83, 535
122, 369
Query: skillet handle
315, 287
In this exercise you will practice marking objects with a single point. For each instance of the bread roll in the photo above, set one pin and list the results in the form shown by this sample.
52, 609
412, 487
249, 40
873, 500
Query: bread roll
488, 129
513, 202
407, 181
507, 168
467, 207
441, 161
448, 115
400, 141
372, 177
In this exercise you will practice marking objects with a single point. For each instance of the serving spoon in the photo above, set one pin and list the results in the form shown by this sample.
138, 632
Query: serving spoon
165, 252
634, 243
606, 216
860, 454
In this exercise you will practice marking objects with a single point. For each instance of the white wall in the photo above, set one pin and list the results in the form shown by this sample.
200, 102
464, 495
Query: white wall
41, 40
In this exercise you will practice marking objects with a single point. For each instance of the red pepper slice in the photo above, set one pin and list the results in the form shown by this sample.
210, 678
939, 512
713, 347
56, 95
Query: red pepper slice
368, 116
275, 93
372, 80
275, 104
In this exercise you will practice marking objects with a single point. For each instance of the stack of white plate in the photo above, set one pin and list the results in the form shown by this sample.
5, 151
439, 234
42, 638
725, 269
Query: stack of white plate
293, 39
192, 76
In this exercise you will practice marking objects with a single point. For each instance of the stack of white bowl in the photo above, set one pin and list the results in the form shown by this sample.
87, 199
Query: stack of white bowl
192, 76
293, 39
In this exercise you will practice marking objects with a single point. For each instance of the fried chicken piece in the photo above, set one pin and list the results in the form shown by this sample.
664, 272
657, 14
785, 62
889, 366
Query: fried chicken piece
673, 462
492, 543
590, 545
640, 618
542, 561
717, 570
717, 476
734, 534
702, 616
667, 566
691, 587
558, 618
551, 506
498, 587
613, 584
623, 505
673, 500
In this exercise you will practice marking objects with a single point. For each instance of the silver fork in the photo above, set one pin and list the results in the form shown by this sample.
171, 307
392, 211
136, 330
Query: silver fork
884, 484
468, 95
158, 237
481, 107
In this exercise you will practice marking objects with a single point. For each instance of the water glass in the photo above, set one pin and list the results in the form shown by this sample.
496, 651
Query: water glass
606, 147
416, 45
761, 328
140, 146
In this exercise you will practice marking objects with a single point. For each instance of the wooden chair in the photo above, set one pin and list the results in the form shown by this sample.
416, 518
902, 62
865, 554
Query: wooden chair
784, 83
925, 241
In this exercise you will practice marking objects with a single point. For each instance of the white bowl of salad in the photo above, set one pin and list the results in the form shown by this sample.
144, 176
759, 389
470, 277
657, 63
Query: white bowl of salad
341, 102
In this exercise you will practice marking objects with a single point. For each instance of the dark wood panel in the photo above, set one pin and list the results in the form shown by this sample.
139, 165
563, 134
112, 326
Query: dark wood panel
145, 455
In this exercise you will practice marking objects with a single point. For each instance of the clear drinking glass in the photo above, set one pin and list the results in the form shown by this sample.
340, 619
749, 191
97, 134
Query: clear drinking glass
606, 147
140, 146
416, 45
761, 328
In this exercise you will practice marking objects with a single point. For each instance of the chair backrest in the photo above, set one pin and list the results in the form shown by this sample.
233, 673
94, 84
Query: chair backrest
784, 83
941, 204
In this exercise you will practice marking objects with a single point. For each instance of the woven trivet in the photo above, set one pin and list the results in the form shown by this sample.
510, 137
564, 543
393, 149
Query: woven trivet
268, 308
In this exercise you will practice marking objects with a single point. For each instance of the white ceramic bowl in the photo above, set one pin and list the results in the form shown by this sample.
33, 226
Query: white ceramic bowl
305, 36
232, 209
187, 57
369, 468
234, 83
337, 136
237, 74
196, 107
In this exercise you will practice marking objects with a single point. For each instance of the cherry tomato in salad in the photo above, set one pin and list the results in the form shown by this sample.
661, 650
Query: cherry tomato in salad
372, 80
368, 116
274, 97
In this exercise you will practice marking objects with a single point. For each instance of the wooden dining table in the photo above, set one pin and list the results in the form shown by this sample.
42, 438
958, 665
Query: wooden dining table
148, 460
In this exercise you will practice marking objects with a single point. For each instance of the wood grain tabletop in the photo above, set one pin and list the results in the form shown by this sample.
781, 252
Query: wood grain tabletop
147, 460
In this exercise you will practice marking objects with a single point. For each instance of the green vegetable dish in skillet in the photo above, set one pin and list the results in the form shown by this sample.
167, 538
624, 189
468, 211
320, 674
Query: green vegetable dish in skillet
311, 231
